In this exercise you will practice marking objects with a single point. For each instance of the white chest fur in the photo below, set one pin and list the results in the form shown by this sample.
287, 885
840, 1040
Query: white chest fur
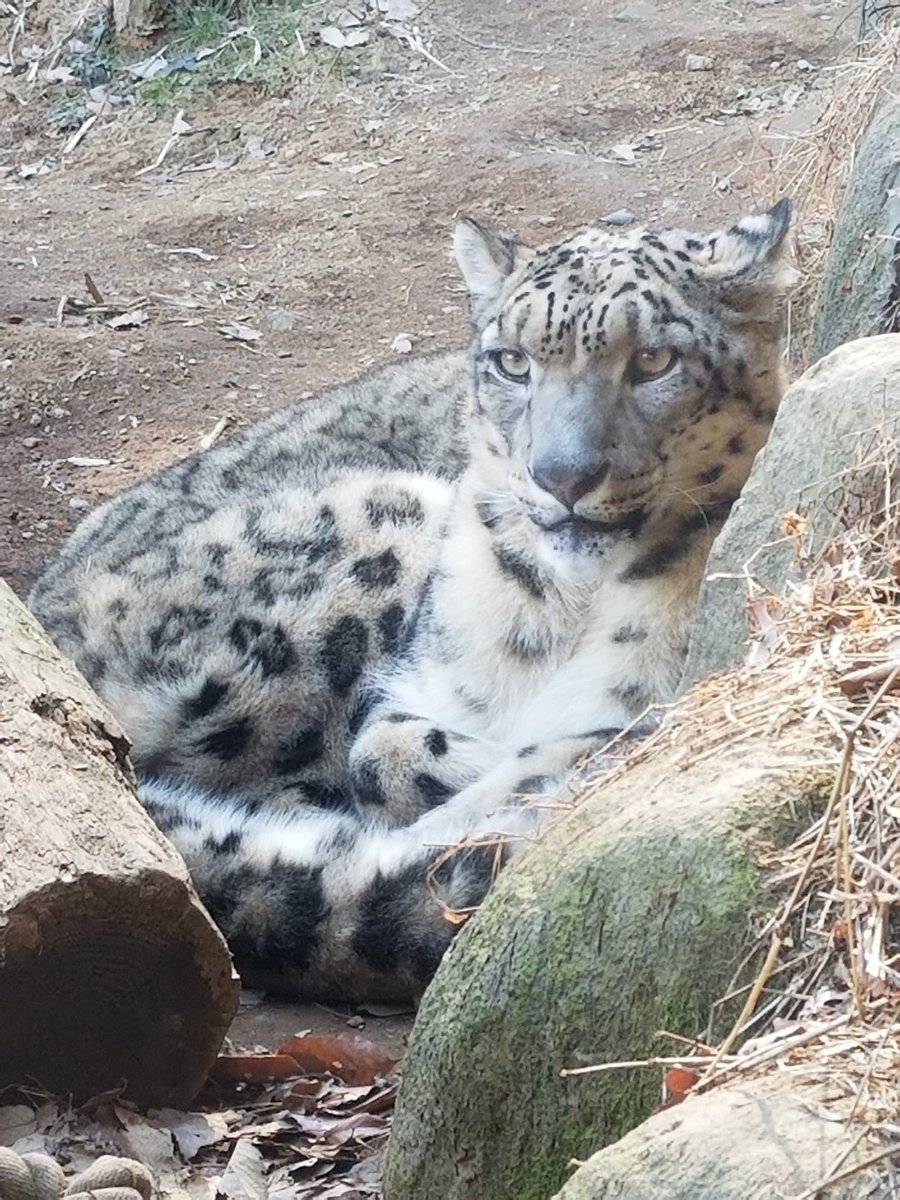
516, 665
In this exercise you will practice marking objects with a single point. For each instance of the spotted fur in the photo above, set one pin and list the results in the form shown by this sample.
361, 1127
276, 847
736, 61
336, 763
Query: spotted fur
364, 628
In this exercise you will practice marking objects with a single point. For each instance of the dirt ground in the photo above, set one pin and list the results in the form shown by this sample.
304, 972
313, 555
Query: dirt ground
321, 219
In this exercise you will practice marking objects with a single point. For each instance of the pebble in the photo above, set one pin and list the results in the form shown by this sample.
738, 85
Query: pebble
622, 216
30, 442
698, 62
77, 502
634, 12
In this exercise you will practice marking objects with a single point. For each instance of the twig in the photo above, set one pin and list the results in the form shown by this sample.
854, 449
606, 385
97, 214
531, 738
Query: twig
848, 1172
79, 133
780, 930
172, 139
94, 290
693, 1060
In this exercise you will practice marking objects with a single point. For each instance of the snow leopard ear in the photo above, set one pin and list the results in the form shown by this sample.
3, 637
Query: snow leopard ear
750, 261
486, 258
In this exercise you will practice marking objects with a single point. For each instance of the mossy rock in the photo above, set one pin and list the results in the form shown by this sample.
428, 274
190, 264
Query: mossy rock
858, 296
766, 1136
844, 410
628, 917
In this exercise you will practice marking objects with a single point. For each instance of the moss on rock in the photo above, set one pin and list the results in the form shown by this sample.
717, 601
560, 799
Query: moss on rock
628, 917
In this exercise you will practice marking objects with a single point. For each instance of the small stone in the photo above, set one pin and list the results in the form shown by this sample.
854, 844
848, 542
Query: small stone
698, 62
280, 320
30, 442
622, 216
634, 12
78, 502
356, 1021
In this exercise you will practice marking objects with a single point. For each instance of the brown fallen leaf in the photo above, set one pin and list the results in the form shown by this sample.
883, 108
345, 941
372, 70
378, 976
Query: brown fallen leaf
354, 1059
870, 676
678, 1082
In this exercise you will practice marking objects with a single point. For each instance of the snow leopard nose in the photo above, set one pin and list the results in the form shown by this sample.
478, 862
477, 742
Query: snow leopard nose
568, 481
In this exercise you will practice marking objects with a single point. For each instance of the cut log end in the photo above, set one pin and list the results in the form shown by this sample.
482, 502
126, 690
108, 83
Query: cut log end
112, 975
113, 983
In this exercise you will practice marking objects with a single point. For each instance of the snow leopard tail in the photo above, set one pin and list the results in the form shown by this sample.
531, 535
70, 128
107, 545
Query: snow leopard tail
320, 905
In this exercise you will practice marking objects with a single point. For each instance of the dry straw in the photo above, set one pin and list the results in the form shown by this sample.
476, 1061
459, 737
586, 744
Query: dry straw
813, 167
825, 1004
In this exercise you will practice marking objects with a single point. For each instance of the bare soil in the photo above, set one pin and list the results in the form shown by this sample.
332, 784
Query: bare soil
321, 218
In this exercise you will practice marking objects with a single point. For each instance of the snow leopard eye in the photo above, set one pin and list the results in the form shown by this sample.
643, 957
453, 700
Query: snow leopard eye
652, 364
512, 364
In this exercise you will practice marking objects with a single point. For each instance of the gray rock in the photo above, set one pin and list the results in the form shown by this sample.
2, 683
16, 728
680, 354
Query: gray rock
628, 916
622, 216
838, 412
744, 1142
638, 11
859, 294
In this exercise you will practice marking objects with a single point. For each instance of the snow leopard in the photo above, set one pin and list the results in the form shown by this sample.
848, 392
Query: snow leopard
352, 644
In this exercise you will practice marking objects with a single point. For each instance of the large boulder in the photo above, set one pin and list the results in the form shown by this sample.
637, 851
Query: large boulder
750, 1141
628, 917
842, 412
858, 293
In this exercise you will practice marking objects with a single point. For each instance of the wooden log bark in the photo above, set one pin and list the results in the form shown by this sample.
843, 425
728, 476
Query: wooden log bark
111, 972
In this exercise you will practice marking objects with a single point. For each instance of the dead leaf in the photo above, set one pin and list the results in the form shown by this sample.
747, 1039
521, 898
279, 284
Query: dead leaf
622, 152
16, 1121
679, 1081
766, 632
29, 170
193, 1131
243, 1178
337, 1131
332, 36
256, 1068
59, 75
149, 68
280, 320
354, 1059
235, 331
130, 319
870, 676
145, 1142
194, 252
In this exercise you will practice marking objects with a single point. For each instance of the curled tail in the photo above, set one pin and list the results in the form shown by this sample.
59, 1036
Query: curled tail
320, 904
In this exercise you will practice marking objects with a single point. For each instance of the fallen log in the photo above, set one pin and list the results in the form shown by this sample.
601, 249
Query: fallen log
112, 975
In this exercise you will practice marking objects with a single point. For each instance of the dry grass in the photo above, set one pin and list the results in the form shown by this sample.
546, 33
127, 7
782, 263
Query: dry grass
825, 1005
813, 167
